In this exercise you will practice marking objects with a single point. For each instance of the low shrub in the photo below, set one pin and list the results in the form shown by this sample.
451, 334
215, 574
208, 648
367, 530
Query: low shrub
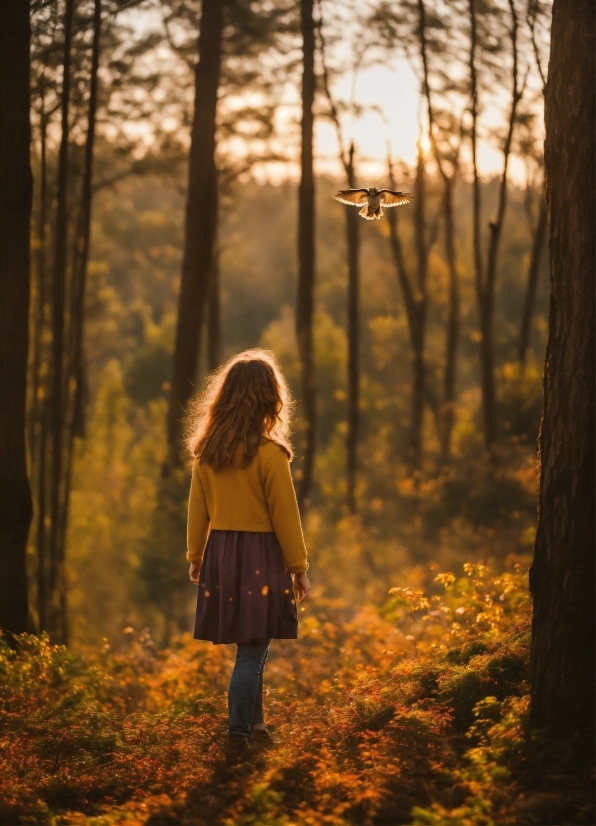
415, 713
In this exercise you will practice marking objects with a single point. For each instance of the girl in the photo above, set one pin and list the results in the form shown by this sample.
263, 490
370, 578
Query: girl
245, 542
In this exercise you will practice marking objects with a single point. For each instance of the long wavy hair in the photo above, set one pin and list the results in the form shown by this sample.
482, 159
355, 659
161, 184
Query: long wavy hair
245, 400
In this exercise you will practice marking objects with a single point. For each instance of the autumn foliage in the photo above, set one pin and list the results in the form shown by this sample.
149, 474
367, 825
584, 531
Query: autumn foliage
411, 712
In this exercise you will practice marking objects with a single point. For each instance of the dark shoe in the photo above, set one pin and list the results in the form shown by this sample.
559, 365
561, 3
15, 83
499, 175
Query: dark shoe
237, 747
261, 739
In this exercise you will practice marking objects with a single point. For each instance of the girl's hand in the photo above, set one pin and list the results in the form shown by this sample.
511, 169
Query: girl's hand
194, 572
301, 587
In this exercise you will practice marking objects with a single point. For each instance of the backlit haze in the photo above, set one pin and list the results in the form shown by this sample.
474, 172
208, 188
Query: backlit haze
391, 115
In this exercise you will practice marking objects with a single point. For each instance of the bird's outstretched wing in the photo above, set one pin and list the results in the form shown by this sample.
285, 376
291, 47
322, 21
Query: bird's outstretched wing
357, 197
391, 199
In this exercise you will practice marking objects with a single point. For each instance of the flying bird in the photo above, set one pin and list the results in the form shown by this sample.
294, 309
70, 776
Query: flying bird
373, 199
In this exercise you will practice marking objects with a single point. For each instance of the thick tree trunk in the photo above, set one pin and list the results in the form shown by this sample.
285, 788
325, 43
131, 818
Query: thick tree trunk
306, 251
353, 249
56, 582
533, 270
200, 225
562, 575
15, 212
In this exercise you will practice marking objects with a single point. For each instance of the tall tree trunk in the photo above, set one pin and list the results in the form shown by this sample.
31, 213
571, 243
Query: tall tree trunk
15, 212
420, 305
353, 254
562, 575
446, 412
485, 282
40, 281
77, 364
200, 225
214, 316
398, 257
74, 401
41, 536
533, 270
353, 248
306, 251
39, 406
56, 582
486, 352
452, 339
412, 306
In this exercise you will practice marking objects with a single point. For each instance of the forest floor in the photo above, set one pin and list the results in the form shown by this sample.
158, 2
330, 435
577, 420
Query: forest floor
411, 713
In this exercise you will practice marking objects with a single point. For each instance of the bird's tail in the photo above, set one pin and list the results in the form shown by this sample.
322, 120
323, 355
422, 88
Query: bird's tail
378, 213
366, 213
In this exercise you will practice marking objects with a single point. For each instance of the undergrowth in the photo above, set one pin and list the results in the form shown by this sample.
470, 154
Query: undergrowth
412, 714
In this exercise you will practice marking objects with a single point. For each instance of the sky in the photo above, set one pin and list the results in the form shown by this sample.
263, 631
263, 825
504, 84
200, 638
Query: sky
394, 90
392, 115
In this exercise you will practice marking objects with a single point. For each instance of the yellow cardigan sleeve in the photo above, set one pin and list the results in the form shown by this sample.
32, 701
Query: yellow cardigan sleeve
198, 519
283, 512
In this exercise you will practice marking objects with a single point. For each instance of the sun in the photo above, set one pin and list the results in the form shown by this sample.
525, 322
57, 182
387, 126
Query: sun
424, 143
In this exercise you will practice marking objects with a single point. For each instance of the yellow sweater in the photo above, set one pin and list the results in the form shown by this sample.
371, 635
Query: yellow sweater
259, 497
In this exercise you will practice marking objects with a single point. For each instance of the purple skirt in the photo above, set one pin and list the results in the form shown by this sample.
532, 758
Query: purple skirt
245, 593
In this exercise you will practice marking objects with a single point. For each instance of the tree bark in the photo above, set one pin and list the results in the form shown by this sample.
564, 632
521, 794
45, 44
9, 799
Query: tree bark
353, 249
398, 258
353, 256
489, 394
486, 351
56, 567
77, 366
39, 403
485, 281
412, 307
41, 532
200, 225
415, 301
562, 574
452, 340
15, 212
214, 316
446, 412
533, 271
40, 270
74, 401
420, 303
306, 251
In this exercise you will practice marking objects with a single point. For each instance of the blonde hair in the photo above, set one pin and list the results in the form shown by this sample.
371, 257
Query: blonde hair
245, 400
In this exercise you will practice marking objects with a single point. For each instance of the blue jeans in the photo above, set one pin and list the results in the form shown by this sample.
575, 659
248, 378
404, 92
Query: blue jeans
245, 692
